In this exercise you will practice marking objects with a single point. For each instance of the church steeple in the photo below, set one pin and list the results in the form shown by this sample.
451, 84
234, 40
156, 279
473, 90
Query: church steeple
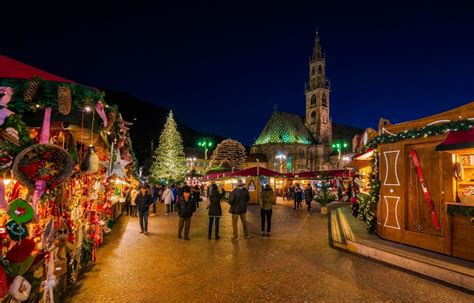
317, 96
317, 52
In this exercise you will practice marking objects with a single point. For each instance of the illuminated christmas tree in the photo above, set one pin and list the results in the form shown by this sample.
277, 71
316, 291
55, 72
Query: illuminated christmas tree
229, 150
169, 161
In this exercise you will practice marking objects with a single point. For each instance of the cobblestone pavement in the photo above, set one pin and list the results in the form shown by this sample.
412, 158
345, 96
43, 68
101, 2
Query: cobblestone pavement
295, 264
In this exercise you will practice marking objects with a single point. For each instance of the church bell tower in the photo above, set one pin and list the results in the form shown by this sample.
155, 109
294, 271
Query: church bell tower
317, 97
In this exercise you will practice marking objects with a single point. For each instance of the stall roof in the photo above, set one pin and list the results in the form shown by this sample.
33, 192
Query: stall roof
457, 140
13, 69
253, 172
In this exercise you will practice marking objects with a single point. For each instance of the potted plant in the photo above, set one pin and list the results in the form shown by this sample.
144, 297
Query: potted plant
324, 196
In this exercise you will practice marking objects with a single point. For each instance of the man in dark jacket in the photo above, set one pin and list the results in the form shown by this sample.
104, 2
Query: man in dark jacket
143, 202
308, 195
186, 206
238, 200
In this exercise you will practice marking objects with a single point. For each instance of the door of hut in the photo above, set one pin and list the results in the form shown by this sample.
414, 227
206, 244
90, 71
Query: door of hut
390, 218
419, 225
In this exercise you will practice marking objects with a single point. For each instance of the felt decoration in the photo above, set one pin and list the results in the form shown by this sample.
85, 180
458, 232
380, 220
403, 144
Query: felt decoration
20, 268
3, 201
4, 100
90, 165
3, 283
100, 110
64, 100
50, 282
20, 251
20, 289
20, 211
111, 120
16, 231
31, 90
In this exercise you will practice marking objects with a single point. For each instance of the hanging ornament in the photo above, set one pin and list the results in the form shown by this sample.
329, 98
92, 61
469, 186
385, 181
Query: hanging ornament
90, 164
100, 110
50, 282
31, 90
4, 100
20, 211
16, 231
111, 120
20, 289
64, 100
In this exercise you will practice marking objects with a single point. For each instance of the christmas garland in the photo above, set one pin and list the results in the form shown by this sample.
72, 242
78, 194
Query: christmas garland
425, 131
368, 202
30, 98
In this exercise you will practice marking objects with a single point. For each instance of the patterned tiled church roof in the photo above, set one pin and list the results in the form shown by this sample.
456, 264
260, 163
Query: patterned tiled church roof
285, 128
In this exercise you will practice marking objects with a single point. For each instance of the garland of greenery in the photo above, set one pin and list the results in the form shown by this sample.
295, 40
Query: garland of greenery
425, 131
368, 203
47, 95
461, 210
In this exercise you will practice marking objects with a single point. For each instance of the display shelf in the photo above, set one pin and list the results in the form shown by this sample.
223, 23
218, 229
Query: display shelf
466, 182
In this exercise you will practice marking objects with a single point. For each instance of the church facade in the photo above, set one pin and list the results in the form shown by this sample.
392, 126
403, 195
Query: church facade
292, 143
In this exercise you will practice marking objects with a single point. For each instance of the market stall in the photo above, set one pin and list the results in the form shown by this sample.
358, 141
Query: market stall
65, 162
420, 182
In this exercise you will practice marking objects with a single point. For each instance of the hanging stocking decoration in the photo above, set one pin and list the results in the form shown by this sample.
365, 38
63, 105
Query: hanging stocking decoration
3, 201
4, 100
100, 110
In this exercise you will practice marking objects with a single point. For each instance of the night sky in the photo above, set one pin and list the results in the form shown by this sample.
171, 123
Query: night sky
222, 66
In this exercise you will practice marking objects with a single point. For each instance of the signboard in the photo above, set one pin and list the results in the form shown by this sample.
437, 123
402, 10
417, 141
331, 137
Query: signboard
251, 186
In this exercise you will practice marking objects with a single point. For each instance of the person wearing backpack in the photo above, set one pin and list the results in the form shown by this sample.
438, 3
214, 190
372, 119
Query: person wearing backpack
215, 210
238, 200
268, 198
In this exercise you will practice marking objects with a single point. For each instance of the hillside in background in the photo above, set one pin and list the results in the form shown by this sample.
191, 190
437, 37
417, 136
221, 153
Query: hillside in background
149, 120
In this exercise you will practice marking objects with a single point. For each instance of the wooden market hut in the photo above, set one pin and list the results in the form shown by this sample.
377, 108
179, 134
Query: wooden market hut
443, 145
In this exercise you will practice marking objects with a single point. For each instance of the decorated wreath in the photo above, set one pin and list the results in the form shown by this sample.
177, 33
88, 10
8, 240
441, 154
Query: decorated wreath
46, 162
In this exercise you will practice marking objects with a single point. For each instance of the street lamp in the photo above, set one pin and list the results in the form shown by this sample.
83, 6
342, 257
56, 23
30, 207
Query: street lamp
281, 157
339, 146
205, 143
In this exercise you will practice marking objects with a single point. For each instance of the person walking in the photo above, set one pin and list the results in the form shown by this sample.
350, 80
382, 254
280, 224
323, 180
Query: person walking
197, 195
128, 200
268, 198
168, 198
186, 206
308, 195
154, 197
133, 205
238, 200
175, 197
143, 201
297, 196
215, 210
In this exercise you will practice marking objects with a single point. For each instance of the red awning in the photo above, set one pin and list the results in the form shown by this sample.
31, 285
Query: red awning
12, 69
457, 140
252, 171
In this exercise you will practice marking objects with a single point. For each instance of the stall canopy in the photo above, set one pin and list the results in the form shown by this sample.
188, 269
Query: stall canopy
16, 70
458, 140
253, 172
